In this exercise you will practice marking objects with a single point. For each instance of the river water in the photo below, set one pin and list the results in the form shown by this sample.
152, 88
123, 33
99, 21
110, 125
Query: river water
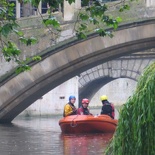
42, 136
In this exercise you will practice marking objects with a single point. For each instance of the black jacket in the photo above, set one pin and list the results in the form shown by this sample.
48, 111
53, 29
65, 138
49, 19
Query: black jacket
106, 108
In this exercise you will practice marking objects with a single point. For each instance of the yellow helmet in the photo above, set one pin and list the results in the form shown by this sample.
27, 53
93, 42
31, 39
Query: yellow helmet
103, 97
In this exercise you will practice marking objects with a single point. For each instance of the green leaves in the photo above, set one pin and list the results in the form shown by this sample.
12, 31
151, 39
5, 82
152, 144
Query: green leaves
135, 132
81, 35
8, 19
22, 68
36, 58
96, 10
83, 16
6, 29
118, 19
10, 51
71, 1
112, 22
9, 28
23, 65
35, 2
95, 19
51, 21
19, 33
85, 2
124, 7
28, 41
104, 33
82, 27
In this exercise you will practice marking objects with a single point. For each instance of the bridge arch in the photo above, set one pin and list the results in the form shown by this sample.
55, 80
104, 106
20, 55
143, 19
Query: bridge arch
130, 66
58, 66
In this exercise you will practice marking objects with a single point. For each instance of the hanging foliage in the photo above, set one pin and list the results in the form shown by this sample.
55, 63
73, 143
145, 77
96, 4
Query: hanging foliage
135, 134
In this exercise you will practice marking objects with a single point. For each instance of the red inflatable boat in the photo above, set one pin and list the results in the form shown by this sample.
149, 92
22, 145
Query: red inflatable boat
88, 124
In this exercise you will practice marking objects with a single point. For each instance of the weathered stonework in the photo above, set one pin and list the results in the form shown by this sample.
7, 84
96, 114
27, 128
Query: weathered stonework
65, 63
33, 26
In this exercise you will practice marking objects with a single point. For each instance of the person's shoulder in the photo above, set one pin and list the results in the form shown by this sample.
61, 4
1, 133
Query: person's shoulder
67, 104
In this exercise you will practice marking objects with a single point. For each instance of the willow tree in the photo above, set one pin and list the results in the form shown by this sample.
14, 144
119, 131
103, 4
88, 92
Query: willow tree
135, 134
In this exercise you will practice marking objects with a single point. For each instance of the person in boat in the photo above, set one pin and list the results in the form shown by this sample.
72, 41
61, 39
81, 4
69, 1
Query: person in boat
83, 110
107, 107
70, 108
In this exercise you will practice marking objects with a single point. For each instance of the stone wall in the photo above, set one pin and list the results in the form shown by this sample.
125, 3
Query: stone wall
52, 103
118, 91
33, 26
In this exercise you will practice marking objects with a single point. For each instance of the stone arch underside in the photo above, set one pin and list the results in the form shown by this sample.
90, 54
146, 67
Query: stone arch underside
130, 67
21, 91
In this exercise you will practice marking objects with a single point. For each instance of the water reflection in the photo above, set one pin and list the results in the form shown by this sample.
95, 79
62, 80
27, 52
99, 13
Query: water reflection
42, 136
85, 144
34, 136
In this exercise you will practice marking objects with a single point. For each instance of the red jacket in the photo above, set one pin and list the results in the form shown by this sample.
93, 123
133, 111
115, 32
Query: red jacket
83, 111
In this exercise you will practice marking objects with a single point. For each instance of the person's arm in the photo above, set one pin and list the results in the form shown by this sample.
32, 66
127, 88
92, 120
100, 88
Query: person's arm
80, 111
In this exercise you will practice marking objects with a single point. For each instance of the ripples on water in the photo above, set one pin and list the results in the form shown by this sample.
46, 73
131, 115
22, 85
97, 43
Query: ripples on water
42, 136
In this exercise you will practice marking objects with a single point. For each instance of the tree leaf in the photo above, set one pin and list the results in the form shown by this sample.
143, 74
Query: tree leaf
19, 33
84, 16
52, 21
71, 1
22, 68
36, 58
6, 29
81, 35
119, 19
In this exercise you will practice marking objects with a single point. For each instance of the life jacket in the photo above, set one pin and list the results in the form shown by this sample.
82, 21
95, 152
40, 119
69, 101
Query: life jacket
108, 109
85, 111
72, 107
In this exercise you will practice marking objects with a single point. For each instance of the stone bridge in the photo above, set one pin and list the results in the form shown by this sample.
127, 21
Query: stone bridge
70, 60
130, 66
